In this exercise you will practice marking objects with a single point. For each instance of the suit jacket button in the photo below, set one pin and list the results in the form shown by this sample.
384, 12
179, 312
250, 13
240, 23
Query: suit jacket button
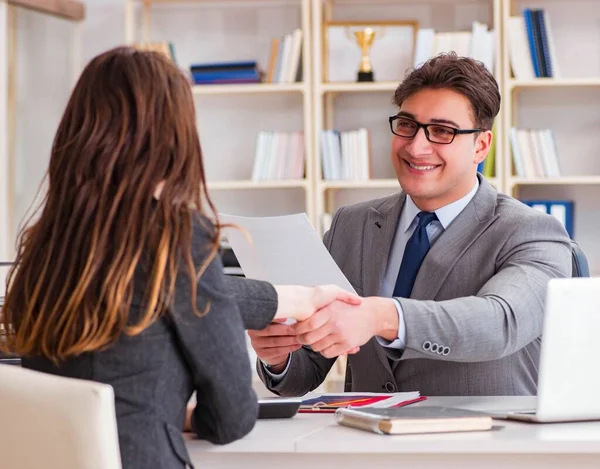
434, 347
426, 345
446, 351
389, 387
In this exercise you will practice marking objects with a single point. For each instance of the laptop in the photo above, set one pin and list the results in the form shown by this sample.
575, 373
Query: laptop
569, 380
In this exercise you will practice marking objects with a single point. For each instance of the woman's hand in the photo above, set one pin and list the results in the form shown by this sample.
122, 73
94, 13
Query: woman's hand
300, 303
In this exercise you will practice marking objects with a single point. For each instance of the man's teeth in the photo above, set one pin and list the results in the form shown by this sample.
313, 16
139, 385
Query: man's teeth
421, 168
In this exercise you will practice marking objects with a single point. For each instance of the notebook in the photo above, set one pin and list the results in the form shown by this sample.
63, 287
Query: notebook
399, 421
330, 402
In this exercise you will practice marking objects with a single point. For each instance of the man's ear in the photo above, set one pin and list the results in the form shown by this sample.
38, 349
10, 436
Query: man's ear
483, 143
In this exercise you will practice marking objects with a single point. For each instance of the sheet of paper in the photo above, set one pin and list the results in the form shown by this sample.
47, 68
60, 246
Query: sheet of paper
283, 250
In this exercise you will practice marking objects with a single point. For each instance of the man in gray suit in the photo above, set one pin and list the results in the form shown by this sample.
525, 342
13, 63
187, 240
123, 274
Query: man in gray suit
454, 274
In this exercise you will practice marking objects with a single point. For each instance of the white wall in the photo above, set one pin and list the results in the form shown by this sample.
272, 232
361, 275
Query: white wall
44, 79
5, 233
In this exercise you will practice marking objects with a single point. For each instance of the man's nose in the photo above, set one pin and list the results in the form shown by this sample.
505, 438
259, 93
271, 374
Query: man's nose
419, 143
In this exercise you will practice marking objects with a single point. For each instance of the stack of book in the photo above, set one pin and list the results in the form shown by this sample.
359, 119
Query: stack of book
531, 46
477, 43
534, 153
279, 156
285, 61
345, 155
225, 72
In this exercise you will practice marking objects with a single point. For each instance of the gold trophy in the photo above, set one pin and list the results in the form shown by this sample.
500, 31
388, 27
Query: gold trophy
365, 37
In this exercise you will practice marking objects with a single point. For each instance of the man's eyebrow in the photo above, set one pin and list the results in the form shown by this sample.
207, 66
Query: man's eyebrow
432, 121
444, 121
406, 114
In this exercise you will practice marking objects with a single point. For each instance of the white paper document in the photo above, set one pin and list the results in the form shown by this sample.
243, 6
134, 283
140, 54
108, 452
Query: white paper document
283, 250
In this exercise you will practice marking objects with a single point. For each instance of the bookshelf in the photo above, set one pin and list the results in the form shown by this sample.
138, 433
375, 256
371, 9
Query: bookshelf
229, 174
12, 40
350, 105
566, 104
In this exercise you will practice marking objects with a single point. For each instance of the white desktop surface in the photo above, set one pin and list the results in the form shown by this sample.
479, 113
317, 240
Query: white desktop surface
312, 441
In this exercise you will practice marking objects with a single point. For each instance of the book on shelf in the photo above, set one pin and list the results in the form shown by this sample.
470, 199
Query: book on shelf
285, 59
279, 156
563, 210
345, 155
246, 71
531, 47
477, 43
412, 420
534, 153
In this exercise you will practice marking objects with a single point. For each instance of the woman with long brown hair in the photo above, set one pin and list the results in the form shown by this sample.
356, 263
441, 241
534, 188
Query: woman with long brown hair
118, 280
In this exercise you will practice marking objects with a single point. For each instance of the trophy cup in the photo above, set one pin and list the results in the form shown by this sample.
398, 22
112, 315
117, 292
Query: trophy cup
364, 37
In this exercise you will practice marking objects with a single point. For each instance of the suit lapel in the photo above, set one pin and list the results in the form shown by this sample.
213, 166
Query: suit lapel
378, 236
454, 241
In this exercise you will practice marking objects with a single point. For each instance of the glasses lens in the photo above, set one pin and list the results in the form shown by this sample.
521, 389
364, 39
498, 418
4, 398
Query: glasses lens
405, 127
441, 133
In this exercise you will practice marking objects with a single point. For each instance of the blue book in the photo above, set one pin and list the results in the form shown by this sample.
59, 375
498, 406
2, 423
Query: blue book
224, 65
537, 34
544, 42
563, 210
532, 43
224, 75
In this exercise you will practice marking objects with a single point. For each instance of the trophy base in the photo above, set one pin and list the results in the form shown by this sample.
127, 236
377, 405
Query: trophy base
365, 76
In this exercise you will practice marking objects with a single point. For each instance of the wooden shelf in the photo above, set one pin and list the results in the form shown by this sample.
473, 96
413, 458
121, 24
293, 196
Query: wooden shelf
553, 82
369, 184
249, 88
66, 9
564, 180
241, 2
355, 87
247, 184
384, 2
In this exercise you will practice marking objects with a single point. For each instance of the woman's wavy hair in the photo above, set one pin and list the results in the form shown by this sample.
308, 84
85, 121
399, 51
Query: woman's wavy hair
127, 134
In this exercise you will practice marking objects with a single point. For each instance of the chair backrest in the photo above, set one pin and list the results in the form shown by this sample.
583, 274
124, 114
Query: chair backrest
581, 267
51, 421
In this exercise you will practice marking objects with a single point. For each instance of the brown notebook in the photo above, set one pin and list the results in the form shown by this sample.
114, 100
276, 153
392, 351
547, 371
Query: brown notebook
407, 420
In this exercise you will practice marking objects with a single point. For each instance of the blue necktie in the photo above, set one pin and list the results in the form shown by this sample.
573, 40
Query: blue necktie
414, 253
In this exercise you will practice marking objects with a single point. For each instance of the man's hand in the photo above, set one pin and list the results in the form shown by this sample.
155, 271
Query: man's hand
339, 327
274, 344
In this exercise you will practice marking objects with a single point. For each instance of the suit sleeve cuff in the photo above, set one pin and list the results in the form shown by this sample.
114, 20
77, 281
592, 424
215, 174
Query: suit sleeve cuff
400, 342
276, 378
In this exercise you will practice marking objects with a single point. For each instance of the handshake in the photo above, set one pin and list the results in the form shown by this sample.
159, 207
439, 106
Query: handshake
329, 319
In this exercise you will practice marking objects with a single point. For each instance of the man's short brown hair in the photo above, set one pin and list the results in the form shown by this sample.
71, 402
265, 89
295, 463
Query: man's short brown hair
464, 75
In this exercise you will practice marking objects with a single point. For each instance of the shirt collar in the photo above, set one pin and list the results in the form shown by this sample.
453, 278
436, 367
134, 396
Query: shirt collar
445, 214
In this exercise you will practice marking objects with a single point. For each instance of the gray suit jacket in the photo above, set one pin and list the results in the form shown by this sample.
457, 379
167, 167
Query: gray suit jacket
474, 319
154, 374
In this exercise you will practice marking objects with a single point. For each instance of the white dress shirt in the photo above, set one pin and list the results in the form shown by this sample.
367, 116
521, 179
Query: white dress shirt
407, 224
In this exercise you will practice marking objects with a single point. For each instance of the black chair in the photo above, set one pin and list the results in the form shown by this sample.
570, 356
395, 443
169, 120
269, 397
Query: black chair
581, 268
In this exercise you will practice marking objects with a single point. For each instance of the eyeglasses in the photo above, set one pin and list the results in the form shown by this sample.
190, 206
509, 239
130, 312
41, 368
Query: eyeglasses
435, 133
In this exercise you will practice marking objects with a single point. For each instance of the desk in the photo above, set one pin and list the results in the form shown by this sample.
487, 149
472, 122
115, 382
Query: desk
314, 441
